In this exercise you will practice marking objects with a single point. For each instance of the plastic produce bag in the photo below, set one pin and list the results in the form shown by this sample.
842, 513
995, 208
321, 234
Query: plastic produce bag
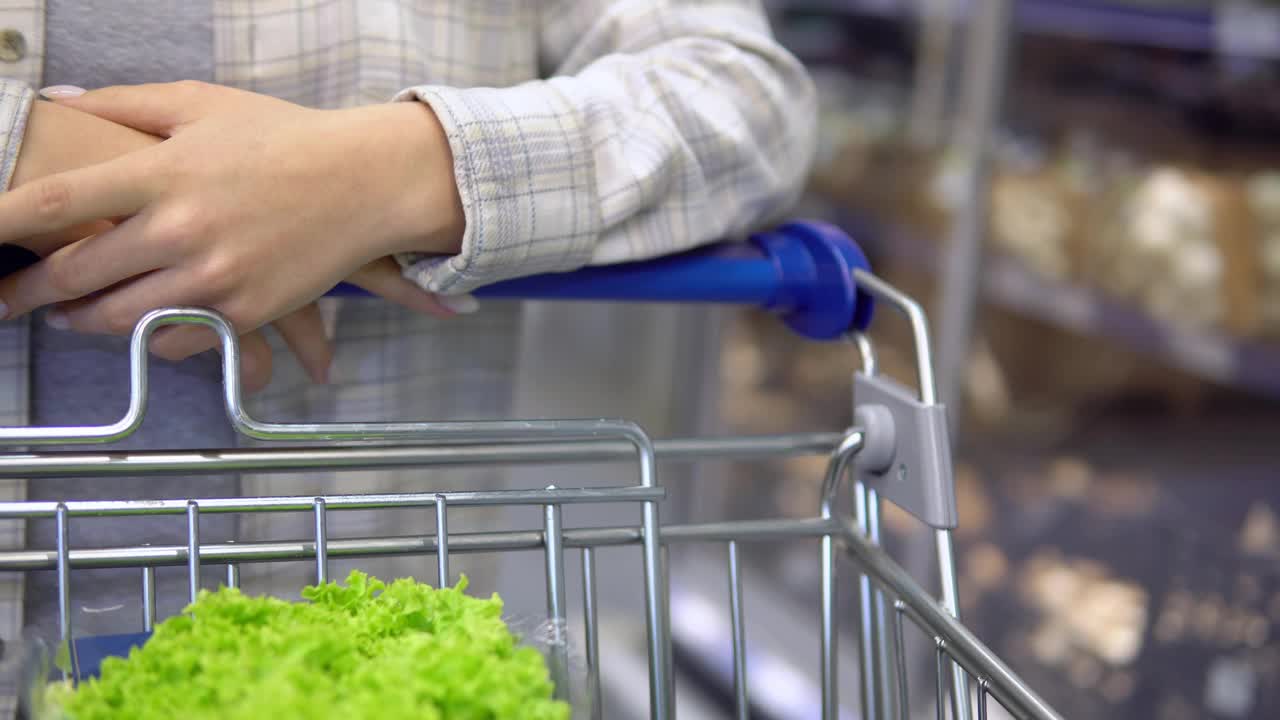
556, 642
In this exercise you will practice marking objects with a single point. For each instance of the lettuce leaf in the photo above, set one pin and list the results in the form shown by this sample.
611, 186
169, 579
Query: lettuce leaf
363, 649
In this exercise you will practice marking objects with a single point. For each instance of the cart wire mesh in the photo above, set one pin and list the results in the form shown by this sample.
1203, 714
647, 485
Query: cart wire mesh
968, 675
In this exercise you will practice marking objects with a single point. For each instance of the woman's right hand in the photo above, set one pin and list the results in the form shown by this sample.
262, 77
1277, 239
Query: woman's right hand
59, 138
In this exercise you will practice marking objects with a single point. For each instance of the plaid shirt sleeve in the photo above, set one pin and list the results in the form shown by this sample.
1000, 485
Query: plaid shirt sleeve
15, 105
663, 125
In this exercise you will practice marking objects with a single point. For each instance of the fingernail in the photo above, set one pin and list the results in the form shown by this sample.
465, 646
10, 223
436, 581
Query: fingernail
461, 304
58, 320
61, 92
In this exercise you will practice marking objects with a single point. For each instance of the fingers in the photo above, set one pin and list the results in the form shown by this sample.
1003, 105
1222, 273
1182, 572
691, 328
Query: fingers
178, 343
255, 352
383, 278
255, 361
303, 331
156, 108
83, 268
52, 203
118, 310
46, 244
182, 341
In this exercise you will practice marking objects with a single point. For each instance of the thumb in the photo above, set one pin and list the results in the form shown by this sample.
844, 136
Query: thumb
157, 109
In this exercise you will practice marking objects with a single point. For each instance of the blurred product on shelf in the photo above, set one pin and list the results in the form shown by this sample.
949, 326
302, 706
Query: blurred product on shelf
1196, 247
1036, 216
1082, 607
1182, 247
1260, 532
1263, 194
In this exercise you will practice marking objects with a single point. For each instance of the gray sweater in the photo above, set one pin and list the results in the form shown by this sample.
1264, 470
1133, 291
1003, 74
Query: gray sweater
79, 379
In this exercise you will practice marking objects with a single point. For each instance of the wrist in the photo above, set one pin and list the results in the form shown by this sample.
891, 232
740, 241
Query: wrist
423, 208
46, 124
59, 138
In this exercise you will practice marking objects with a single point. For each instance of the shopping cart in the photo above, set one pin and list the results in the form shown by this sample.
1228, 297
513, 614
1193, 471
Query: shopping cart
810, 274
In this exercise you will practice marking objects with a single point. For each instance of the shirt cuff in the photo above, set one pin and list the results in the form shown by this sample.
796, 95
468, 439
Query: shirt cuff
15, 106
525, 175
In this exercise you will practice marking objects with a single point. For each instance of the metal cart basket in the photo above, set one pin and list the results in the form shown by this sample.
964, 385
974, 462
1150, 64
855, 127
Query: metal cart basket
811, 274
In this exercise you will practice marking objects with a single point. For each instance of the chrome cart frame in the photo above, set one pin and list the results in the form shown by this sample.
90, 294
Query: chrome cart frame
898, 450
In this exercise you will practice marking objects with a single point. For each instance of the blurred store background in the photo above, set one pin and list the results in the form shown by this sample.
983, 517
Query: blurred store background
1104, 287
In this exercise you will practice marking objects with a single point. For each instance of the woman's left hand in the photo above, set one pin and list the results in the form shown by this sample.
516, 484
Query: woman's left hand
253, 206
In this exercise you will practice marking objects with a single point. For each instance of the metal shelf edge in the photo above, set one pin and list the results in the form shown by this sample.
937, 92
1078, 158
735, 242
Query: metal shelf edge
1228, 27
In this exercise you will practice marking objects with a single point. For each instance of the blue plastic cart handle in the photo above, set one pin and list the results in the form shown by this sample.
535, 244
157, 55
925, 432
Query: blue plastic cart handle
801, 271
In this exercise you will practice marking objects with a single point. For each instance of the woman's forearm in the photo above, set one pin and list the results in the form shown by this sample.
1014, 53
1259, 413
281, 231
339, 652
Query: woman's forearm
664, 125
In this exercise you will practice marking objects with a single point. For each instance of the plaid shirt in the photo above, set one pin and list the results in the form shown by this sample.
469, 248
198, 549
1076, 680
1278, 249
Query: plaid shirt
583, 132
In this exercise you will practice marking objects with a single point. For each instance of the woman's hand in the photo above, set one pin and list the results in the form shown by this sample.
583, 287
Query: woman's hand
59, 138
254, 207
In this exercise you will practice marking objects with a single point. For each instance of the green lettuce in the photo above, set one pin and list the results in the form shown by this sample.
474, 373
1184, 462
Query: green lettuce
365, 649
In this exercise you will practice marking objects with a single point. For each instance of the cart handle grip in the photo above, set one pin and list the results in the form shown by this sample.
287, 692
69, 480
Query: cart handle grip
802, 271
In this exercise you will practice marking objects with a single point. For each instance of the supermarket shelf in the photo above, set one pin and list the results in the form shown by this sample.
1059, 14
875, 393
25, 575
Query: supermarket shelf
1238, 28
1245, 364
